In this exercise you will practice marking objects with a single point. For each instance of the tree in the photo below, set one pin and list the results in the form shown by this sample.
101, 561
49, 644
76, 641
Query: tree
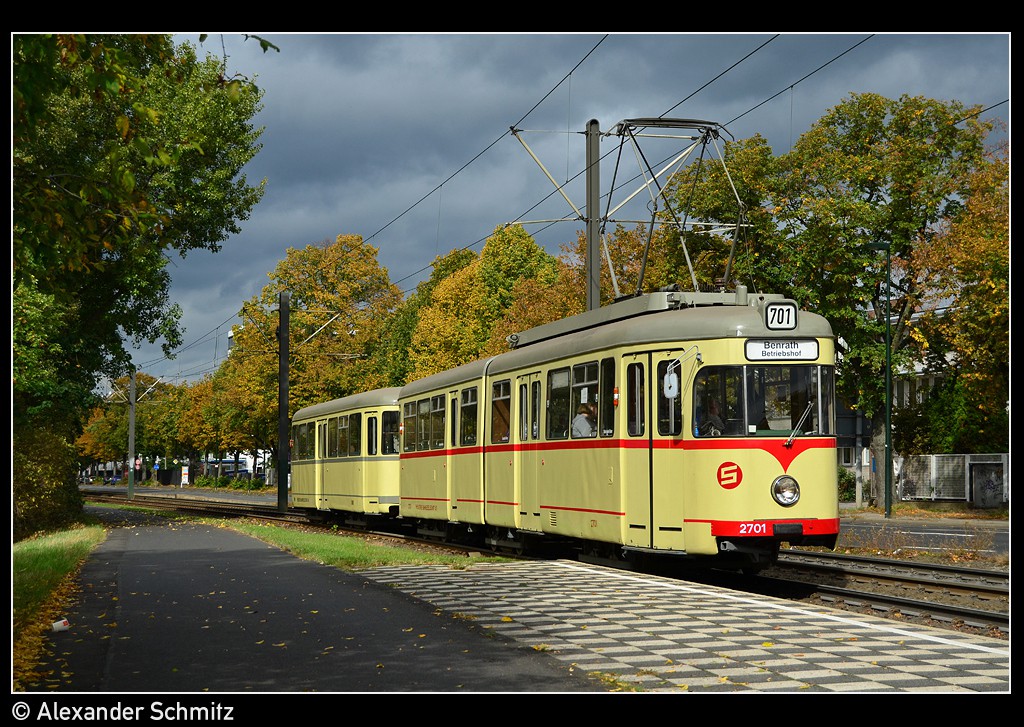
963, 333
340, 303
125, 148
157, 412
466, 306
735, 192
871, 172
391, 356
509, 255
537, 301
453, 328
128, 149
341, 299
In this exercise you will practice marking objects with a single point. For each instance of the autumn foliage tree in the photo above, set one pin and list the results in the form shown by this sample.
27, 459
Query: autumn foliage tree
963, 333
393, 354
340, 300
457, 324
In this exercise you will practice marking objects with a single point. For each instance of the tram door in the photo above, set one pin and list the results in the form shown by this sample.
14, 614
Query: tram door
527, 453
669, 394
635, 455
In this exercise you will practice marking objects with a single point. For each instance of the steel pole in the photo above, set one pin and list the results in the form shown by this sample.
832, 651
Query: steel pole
888, 381
283, 438
131, 437
593, 215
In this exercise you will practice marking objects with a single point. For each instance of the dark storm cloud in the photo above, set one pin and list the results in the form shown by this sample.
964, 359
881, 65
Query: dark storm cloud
362, 130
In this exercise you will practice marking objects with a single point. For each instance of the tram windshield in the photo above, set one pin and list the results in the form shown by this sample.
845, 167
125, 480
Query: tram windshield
775, 400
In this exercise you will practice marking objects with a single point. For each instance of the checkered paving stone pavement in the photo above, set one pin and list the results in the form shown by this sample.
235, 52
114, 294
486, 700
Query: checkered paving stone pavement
655, 634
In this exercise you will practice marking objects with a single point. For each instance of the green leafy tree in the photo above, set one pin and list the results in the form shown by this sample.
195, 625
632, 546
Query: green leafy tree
738, 193
537, 301
126, 148
509, 255
453, 329
873, 173
130, 149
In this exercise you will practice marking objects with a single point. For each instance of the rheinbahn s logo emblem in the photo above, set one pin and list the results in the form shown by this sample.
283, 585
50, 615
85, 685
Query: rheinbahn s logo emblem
729, 475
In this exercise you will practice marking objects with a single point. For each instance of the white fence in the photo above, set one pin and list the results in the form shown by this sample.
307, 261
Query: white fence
983, 479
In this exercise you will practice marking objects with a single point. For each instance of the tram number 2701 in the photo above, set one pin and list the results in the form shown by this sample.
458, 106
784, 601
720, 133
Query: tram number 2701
753, 528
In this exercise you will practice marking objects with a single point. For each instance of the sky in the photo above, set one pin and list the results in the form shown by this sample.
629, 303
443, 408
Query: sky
405, 139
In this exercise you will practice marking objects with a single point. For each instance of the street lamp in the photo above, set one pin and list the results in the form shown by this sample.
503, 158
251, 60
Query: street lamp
888, 371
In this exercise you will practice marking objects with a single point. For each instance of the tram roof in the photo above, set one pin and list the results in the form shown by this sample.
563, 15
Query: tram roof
362, 400
663, 316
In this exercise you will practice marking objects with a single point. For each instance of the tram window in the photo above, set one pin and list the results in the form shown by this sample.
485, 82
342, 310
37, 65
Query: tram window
454, 421
371, 435
298, 443
789, 391
355, 434
409, 426
757, 378
635, 424
501, 400
718, 401
389, 433
606, 402
558, 404
437, 422
423, 425
332, 437
535, 409
303, 445
342, 436
468, 416
670, 409
827, 396
524, 413
771, 400
584, 400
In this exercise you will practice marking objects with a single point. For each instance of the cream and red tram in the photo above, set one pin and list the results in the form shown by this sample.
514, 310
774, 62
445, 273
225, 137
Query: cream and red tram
711, 433
344, 455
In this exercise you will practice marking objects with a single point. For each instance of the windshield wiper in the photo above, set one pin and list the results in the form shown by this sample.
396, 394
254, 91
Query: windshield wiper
810, 405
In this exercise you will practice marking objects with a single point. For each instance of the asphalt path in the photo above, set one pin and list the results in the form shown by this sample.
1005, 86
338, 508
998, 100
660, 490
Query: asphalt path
190, 608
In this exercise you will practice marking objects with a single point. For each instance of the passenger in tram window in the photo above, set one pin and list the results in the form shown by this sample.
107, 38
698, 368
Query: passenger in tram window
582, 424
712, 424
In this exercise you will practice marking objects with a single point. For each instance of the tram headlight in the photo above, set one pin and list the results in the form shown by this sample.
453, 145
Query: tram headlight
786, 490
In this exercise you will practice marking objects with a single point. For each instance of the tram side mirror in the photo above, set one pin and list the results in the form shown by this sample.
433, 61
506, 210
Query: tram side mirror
671, 386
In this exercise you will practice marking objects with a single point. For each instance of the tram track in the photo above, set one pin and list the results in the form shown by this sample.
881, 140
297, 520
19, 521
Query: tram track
963, 599
955, 597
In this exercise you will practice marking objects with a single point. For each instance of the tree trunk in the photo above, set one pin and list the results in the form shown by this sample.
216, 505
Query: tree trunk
878, 459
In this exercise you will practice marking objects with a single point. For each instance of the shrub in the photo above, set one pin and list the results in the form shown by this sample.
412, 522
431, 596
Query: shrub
847, 485
45, 481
